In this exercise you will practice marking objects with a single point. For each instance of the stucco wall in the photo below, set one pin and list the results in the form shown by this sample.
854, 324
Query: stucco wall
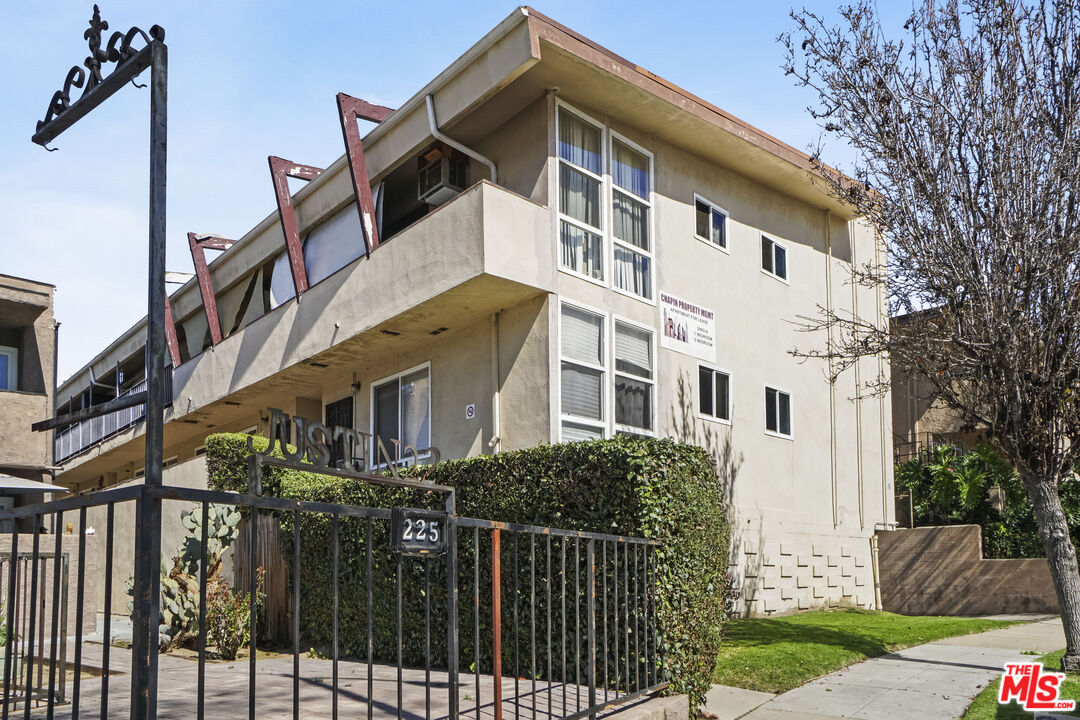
941, 571
69, 554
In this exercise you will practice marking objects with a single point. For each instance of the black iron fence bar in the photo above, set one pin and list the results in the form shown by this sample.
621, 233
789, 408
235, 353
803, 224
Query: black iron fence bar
550, 665
106, 643
577, 622
253, 551
590, 612
517, 636
57, 549
370, 619
427, 638
400, 698
80, 588
476, 615
96, 499
334, 530
32, 625
264, 502
555, 532
532, 618
296, 614
11, 617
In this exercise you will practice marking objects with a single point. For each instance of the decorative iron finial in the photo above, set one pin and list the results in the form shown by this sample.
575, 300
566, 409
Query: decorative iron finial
118, 50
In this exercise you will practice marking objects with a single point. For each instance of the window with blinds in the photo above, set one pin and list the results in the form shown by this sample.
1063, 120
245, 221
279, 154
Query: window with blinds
634, 377
581, 373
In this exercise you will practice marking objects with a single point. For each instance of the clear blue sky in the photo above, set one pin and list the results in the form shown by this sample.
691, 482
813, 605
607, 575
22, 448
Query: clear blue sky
252, 78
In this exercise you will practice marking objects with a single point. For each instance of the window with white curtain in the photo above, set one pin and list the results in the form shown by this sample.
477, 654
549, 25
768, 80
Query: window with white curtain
634, 378
581, 181
588, 177
582, 374
401, 410
630, 206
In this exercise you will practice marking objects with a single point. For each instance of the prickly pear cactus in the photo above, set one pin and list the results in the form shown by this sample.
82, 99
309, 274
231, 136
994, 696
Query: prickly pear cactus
180, 585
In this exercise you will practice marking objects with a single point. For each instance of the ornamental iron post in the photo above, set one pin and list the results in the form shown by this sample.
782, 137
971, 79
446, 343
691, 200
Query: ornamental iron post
61, 114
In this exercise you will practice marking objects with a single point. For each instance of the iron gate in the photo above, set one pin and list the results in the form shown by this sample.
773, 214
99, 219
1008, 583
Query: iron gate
549, 623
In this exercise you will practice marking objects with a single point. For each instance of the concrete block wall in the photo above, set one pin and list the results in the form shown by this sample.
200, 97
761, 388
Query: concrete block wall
804, 571
941, 571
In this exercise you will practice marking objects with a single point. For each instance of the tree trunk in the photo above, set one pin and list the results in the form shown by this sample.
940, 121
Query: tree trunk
1061, 556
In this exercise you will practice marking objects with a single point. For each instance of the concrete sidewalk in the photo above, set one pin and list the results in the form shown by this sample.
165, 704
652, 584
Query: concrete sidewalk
926, 682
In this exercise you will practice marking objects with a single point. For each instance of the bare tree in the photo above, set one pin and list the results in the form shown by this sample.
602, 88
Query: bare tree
965, 128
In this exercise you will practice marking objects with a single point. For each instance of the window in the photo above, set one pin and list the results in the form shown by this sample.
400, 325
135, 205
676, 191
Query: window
773, 258
714, 394
9, 368
339, 413
581, 238
401, 410
711, 222
777, 412
634, 377
587, 179
582, 374
630, 206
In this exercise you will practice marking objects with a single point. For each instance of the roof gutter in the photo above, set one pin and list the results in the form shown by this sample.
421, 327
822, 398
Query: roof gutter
433, 125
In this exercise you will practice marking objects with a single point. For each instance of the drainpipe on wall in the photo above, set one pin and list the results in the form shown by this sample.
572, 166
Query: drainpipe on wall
877, 572
433, 126
496, 402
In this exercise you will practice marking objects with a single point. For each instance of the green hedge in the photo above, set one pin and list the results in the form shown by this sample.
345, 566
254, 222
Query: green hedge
649, 488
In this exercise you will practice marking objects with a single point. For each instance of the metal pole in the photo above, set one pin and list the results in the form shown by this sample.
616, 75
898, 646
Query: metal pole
148, 521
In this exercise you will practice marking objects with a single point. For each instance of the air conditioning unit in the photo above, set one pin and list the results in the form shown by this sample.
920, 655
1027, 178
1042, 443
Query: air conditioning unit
442, 174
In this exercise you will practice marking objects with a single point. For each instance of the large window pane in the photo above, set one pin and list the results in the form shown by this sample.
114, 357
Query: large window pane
766, 254
579, 141
582, 335
705, 391
630, 220
4, 370
629, 169
633, 402
581, 391
781, 261
718, 229
785, 413
386, 415
579, 196
722, 400
415, 415
633, 350
632, 272
581, 250
770, 410
701, 216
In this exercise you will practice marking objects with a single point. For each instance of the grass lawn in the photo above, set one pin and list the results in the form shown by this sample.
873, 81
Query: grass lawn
778, 654
985, 706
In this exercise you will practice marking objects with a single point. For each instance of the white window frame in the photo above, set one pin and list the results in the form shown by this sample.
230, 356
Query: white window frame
606, 386
791, 412
630, 429
13, 366
726, 247
787, 259
604, 203
730, 394
371, 416
607, 199
649, 204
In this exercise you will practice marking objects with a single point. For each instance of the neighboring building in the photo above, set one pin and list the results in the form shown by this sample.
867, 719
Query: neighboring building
633, 267
27, 380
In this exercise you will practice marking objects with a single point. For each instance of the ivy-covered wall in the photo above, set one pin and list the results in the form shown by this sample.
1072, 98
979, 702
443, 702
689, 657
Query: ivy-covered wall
657, 489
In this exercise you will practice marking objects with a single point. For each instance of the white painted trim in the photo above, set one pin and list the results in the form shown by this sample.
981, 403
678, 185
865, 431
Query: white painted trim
791, 412
374, 459
787, 258
726, 247
731, 394
654, 351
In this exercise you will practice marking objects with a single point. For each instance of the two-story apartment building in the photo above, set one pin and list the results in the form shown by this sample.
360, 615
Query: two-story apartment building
569, 247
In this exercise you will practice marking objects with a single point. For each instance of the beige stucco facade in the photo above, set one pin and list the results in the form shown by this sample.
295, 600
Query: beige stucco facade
472, 296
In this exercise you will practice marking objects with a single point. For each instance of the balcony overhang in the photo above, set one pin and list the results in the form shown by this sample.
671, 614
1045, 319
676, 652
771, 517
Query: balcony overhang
485, 250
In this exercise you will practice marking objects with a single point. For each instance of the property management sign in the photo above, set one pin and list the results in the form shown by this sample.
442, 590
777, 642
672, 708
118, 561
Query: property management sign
687, 328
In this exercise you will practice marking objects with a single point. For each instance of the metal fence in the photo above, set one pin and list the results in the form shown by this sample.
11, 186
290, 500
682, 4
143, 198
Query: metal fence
510, 621
81, 435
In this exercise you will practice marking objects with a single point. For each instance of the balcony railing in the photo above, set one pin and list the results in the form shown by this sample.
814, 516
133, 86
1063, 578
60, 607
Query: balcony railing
85, 433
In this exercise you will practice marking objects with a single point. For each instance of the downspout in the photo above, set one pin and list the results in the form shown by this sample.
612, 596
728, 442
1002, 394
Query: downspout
433, 126
877, 571
496, 401
55, 384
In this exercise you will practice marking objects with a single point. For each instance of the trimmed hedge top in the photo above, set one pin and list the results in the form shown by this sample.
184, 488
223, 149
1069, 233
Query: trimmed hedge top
657, 489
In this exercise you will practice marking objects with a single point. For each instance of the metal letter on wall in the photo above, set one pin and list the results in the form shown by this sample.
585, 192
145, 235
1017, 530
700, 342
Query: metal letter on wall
198, 245
280, 172
351, 109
